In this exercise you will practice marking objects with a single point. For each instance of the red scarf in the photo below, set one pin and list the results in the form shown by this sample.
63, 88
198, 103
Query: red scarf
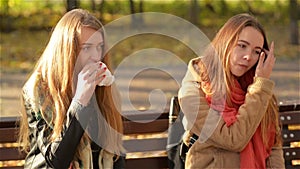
255, 153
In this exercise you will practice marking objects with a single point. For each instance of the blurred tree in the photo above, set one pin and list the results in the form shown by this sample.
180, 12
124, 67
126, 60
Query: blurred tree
194, 11
4, 7
294, 29
93, 5
101, 8
131, 5
72, 4
140, 19
223, 7
141, 6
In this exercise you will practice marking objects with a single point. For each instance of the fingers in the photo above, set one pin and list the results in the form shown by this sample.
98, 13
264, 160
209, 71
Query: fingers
96, 75
266, 63
99, 79
271, 57
261, 59
92, 70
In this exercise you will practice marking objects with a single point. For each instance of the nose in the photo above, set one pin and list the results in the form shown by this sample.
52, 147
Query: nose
248, 55
96, 55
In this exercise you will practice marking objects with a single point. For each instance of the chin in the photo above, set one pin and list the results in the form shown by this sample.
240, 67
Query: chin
238, 74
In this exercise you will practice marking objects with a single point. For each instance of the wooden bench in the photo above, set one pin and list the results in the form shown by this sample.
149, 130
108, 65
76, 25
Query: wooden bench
146, 136
144, 149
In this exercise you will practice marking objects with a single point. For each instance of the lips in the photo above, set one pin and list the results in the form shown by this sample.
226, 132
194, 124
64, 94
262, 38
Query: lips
243, 66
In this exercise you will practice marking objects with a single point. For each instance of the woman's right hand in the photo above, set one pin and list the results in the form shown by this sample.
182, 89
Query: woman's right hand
91, 75
264, 67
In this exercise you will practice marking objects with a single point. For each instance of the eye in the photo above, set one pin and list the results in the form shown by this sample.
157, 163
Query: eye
100, 46
241, 45
85, 48
257, 52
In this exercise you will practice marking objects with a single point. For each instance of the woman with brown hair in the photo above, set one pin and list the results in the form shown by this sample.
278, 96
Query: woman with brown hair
231, 115
71, 116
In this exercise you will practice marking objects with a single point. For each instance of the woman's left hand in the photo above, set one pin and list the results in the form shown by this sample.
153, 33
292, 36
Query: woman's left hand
265, 66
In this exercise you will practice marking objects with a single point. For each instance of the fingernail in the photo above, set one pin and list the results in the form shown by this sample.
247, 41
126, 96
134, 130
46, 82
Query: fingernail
105, 68
103, 75
100, 64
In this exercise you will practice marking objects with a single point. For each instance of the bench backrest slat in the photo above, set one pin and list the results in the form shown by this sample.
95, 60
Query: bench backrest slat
290, 136
11, 153
131, 127
144, 145
291, 153
290, 117
8, 135
141, 163
13, 167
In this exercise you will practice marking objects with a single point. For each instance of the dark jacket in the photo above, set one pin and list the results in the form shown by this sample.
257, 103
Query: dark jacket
59, 153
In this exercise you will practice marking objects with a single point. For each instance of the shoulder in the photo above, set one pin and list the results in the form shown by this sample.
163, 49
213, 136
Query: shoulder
30, 91
193, 70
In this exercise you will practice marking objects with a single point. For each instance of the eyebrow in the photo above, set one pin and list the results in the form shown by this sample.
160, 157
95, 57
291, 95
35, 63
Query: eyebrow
90, 44
257, 47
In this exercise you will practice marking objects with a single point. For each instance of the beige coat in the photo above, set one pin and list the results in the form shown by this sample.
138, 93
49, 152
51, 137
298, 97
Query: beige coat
218, 146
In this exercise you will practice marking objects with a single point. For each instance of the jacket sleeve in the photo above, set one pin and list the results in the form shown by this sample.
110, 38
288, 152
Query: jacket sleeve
250, 114
210, 126
60, 152
276, 160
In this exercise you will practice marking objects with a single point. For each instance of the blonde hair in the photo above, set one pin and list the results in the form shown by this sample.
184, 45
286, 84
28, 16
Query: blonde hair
56, 67
216, 68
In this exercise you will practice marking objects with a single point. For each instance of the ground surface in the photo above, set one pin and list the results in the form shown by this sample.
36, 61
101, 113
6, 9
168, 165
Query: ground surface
286, 75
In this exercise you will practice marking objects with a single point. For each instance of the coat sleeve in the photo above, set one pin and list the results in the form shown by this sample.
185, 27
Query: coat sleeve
250, 114
276, 160
60, 152
210, 126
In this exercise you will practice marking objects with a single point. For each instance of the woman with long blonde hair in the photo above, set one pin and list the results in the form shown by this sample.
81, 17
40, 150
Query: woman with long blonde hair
71, 116
231, 116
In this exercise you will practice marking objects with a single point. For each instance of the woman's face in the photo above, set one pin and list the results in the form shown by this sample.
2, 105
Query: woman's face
246, 52
91, 47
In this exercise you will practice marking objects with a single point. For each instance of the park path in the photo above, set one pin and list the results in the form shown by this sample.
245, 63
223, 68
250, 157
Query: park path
286, 75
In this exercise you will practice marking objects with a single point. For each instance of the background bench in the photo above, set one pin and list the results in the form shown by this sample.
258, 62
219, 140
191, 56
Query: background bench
146, 139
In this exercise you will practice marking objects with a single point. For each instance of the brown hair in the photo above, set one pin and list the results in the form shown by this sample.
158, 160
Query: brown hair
216, 68
56, 67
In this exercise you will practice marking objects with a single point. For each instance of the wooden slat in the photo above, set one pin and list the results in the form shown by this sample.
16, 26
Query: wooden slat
160, 125
290, 136
144, 163
145, 115
143, 145
11, 153
8, 135
8, 122
291, 153
292, 117
13, 167
289, 106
